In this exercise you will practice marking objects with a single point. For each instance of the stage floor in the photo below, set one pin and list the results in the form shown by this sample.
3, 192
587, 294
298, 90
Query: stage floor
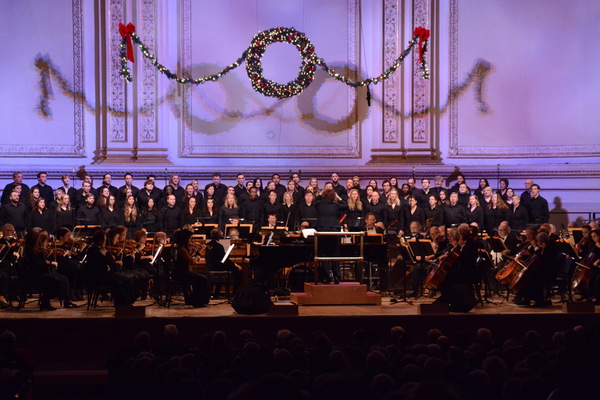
496, 305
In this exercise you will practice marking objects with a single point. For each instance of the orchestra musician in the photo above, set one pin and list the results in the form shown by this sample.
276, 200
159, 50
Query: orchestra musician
182, 270
594, 286
38, 270
537, 286
101, 269
9, 254
457, 287
67, 251
214, 260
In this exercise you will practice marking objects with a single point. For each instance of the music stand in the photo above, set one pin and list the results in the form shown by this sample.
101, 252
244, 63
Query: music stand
407, 257
420, 248
245, 230
274, 234
204, 229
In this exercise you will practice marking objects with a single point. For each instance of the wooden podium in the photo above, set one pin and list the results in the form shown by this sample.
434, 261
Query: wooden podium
346, 293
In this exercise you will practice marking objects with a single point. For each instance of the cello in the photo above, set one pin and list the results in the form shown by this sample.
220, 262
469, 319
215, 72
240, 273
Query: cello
438, 273
531, 266
583, 272
507, 273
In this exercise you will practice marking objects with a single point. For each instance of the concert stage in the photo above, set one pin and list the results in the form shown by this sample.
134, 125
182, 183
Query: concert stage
81, 340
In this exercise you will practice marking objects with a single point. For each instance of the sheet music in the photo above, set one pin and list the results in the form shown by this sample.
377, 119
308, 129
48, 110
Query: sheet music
227, 253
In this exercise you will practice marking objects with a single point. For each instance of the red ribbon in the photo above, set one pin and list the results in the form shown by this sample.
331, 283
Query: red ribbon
423, 35
126, 32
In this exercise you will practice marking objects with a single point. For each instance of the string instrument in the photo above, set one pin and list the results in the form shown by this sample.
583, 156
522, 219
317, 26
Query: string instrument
583, 272
506, 274
532, 265
438, 273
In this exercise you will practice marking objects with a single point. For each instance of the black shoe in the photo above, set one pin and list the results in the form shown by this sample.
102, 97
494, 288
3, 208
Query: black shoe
542, 303
521, 302
326, 281
47, 307
69, 304
336, 281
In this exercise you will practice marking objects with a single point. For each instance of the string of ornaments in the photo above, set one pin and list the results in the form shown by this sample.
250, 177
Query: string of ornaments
253, 58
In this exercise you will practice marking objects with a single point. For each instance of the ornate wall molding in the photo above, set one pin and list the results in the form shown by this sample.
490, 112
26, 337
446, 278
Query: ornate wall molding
486, 152
63, 151
117, 128
149, 96
352, 146
420, 98
392, 37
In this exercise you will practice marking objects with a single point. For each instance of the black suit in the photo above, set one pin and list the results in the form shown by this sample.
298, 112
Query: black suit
328, 215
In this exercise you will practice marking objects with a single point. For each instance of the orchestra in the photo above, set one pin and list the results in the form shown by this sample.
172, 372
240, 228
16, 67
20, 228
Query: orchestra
61, 241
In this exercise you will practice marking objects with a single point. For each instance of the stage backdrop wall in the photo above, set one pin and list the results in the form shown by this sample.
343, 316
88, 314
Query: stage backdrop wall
511, 93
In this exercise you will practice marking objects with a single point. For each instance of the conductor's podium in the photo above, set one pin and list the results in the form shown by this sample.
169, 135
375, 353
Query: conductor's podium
346, 293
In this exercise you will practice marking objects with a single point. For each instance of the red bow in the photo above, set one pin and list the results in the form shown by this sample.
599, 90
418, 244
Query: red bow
126, 32
423, 35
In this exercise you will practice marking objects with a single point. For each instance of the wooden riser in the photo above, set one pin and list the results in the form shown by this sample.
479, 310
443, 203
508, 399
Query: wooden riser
346, 293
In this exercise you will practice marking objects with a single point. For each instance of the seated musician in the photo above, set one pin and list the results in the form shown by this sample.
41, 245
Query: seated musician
594, 286
214, 260
68, 261
542, 276
586, 244
372, 226
102, 269
9, 254
421, 268
182, 270
41, 271
457, 287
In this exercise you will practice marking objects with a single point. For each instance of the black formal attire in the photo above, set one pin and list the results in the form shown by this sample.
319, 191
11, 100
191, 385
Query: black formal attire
454, 215
41, 219
143, 197
355, 219
328, 215
122, 196
418, 215
436, 214
39, 272
270, 208
423, 199
280, 189
150, 220
133, 224
8, 190
63, 218
463, 199
170, 217
307, 213
111, 189
538, 210
288, 216
46, 192
100, 271
15, 214
238, 190
214, 254
525, 198
200, 294
476, 215
394, 218
80, 198
340, 190
72, 192
220, 191
493, 217
110, 218
251, 211
188, 218
179, 194
457, 287
377, 209
88, 215
518, 218
208, 218
543, 276
225, 214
